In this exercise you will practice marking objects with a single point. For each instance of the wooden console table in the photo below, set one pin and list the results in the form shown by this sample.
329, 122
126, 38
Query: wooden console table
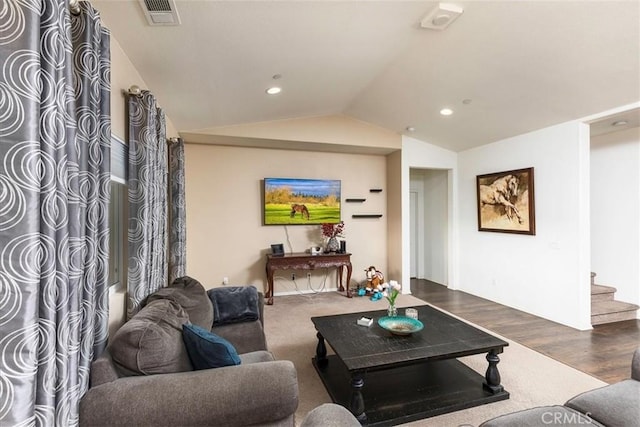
305, 261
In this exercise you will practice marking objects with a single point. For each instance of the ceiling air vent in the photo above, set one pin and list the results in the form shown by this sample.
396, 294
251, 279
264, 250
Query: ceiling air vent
160, 12
441, 16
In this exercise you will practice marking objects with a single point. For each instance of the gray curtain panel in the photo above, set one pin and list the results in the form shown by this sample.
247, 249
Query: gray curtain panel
147, 240
177, 211
54, 193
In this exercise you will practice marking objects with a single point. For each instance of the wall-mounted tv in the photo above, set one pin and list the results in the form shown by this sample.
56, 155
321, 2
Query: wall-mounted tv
295, 201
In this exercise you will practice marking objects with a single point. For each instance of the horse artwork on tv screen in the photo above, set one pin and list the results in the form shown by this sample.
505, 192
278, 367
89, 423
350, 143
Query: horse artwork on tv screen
506, 202
296, 201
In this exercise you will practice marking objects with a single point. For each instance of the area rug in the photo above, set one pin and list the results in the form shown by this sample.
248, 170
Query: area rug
531, 378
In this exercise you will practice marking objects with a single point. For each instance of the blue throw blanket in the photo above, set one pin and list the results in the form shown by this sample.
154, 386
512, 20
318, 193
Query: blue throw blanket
232, 304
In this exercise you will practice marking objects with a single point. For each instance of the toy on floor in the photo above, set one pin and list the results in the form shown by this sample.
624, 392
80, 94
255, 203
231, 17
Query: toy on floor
377, 294
374, 277
373, 286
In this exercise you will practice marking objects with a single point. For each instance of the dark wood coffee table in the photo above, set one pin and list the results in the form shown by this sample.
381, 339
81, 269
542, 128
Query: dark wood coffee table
387, 379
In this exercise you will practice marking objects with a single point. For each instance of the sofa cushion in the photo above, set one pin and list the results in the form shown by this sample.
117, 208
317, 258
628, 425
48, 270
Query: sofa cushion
257, 357
188, 293
245, 337
207, 350
151, 342
542, 416
613, 405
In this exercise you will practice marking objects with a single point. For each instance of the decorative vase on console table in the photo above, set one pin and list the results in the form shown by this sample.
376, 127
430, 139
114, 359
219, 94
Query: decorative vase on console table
332, 232
333, 245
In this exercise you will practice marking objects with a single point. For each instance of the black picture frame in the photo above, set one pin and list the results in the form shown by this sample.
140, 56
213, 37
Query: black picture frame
506, 202
301, 201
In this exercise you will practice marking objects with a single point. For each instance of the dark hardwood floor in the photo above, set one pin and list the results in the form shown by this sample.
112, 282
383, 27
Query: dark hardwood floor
603, 352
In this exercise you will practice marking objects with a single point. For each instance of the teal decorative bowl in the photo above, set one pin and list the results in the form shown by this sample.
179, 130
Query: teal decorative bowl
400, 325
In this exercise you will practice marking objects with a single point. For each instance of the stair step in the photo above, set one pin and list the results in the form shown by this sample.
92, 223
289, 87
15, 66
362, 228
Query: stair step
612, 311
602, 293
604, 307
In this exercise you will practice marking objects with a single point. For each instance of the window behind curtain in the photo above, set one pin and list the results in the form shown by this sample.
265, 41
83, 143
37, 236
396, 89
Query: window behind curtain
117, 206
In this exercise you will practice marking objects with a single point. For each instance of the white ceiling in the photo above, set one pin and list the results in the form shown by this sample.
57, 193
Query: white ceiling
523, 64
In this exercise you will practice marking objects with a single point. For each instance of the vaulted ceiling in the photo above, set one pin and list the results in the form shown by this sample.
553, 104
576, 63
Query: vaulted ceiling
504, 67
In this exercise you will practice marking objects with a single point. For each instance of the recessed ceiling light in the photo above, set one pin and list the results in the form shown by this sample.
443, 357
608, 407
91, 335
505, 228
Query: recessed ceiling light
466, 101
446, 111
410, 129
619, 123
274, 90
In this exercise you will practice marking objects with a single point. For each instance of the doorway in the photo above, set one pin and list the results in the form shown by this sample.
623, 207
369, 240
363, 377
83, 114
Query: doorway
429, 224
614, 177
415, 199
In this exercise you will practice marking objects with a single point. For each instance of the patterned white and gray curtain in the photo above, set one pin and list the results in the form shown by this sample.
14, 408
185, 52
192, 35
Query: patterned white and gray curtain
177, 211
54, 192
147, 269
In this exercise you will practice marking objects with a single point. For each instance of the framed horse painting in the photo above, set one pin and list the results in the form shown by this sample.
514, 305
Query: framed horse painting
506, 202
299, 201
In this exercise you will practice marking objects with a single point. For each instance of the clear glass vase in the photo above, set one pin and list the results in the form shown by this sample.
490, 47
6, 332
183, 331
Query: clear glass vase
392, 310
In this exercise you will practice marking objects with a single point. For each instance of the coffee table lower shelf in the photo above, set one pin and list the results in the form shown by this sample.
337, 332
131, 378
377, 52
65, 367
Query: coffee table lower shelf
404, 394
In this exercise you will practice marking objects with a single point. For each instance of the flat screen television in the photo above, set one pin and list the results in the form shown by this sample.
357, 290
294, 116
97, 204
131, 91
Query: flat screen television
296, 201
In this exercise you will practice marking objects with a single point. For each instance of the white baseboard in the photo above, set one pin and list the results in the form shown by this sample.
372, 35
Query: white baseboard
303, 291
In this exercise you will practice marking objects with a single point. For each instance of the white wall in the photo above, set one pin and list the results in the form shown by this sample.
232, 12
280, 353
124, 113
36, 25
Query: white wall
615, 212
225, 235
417, 154
546, 274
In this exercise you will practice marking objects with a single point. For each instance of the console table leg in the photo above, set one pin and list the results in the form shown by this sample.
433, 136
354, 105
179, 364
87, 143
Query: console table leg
321, 351
492, 376
348, 279
357, 401
269, 294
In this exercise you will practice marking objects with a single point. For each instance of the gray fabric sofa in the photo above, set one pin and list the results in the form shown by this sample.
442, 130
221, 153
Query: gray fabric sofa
615, 405
145, 377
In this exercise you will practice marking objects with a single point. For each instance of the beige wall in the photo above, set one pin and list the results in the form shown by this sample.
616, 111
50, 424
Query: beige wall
225, 235
123, 75
394, 229
323, 133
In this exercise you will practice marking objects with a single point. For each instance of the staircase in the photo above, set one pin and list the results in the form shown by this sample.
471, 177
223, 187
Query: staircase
604, 309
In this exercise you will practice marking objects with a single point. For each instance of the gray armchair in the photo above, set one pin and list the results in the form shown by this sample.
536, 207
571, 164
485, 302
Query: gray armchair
330, 415
145, 377
614, 405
